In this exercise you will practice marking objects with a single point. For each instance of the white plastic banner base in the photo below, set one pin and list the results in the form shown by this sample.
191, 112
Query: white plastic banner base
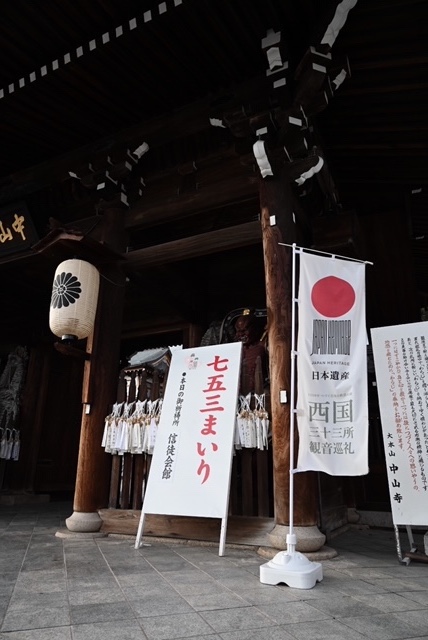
293, 569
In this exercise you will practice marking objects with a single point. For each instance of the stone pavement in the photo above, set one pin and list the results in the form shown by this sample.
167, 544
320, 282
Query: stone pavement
54, 588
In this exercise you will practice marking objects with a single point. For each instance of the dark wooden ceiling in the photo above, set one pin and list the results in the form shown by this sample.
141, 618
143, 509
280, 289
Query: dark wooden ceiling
82, 79
193, 49
206, 48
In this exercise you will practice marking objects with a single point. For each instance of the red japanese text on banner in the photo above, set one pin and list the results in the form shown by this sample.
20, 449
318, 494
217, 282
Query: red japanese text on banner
190, 469
332, 402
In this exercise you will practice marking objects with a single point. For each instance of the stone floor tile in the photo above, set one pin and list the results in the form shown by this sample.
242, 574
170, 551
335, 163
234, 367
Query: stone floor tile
236, 619
272, 633
156, 588
420, 597
56, 633
202, 588
112, 630
395, 584
268, 594
196, 555
123, 568
345, 607
211, 602
320, 590
36, 618
195, 576
393, 602
170, 591
21, 601
41, 581
415, 619
167, 627
96, 596
159, 605
139, 580
36, 563
7, 581
357, 573
292, 612
167, 565
100, 612
242, 581
323, 630
383, 627
6, 565
218, 570
106, 581
89, 571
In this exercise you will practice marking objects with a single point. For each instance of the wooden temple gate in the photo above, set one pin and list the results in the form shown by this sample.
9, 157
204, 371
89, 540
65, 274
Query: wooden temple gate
240, 162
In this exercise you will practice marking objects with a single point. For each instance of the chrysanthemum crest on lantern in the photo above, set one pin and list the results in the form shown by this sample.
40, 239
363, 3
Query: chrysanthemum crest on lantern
74, 299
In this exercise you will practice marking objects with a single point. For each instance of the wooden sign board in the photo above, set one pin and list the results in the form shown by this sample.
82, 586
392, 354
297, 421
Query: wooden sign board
17, 231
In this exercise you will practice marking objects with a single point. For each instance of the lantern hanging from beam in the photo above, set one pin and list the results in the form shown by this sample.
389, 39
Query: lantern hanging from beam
74, 299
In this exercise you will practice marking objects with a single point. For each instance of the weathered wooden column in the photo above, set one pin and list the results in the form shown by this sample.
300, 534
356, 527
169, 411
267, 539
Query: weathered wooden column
288, 154
99, 386
278, 226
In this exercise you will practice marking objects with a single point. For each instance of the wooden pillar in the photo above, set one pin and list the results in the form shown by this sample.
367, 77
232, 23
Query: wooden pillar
99, 392
277, 207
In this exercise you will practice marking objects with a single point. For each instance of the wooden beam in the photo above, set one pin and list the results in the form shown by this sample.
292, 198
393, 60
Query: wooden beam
240, 235
69, 350
220, 179
157, 132
139, 328
223, 177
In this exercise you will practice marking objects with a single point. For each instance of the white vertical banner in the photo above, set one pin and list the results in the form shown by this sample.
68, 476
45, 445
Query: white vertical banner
332, 400
401, 363
190, 469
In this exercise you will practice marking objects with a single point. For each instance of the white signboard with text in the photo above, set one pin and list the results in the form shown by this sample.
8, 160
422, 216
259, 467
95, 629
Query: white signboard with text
191, 464
401, 363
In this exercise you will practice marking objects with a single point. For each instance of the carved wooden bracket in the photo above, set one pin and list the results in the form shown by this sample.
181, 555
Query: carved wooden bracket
69, 350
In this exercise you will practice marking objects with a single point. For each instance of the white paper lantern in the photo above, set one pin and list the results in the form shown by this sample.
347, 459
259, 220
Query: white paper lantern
74, 299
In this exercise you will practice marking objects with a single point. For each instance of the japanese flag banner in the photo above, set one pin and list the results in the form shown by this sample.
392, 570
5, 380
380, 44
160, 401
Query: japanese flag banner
332, 400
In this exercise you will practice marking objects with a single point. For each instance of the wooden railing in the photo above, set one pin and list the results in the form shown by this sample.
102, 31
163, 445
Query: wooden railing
250, 490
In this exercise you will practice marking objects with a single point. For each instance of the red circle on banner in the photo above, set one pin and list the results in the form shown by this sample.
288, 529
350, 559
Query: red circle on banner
332, 297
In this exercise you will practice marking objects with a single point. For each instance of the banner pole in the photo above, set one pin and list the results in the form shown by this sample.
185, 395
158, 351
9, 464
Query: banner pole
291, 538
325, 253
290, 566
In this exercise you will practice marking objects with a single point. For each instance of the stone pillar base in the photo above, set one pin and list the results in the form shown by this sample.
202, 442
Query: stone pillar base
353, 515
308, 538
81, 522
